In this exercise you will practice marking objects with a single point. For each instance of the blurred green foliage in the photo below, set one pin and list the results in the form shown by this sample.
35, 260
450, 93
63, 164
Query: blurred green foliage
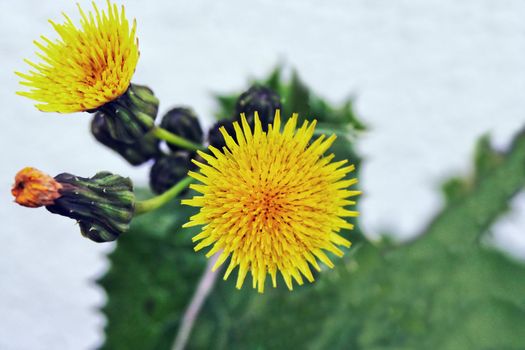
446, 289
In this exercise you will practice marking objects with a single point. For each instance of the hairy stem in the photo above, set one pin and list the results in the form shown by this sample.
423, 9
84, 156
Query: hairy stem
170, 137
204, 289
151, 204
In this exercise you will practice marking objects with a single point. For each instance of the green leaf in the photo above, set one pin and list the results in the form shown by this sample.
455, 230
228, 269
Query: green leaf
152, 276
226, 106
296, 98
274, 80
486, 158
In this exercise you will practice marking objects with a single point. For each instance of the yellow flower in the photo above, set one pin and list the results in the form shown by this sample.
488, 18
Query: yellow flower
272, 202
86, 67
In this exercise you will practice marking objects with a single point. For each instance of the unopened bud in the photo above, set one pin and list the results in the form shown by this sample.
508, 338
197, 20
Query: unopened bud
132, 115
144, 149
182, 122
103, 205
259, 99
34, 188
215, 137
168, 170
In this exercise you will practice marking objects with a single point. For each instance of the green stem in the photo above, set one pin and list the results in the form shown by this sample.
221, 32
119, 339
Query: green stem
170, 137
142, 207
345, 132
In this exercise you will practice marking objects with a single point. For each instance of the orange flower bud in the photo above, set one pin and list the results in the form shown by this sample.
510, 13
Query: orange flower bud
34, 188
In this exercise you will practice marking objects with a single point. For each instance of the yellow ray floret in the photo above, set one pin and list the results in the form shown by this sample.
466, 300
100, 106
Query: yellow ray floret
85, 67
272, 202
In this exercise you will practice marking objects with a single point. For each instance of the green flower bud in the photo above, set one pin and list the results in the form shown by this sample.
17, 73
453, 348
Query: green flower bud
168, 170
259, 99
132, 115
215, 137
103, 205
184, 123
144, 149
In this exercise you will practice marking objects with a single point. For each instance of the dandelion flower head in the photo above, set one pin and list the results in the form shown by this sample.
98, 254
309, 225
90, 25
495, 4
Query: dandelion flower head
272, 202
86, 67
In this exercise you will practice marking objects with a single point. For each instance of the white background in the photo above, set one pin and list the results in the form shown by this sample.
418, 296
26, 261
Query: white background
429, 77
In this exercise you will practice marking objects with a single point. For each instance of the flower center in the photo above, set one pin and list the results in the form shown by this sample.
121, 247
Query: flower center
267, 207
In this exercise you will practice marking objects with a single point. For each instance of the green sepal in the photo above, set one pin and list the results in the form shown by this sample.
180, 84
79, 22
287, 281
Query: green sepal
132, 115
144, 149
103, 205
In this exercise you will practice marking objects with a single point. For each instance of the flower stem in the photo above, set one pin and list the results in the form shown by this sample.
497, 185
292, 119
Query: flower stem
148, 205
170, 137
204, 289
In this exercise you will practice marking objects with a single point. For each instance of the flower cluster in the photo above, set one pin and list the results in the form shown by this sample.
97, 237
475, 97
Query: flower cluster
270, 197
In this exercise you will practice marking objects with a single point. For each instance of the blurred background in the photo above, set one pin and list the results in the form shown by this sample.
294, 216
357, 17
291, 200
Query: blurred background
429, 78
